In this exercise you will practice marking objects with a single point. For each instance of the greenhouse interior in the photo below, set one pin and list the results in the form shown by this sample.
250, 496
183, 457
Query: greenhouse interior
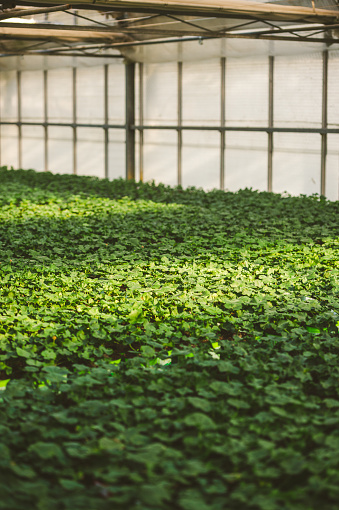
213, 102
169, 269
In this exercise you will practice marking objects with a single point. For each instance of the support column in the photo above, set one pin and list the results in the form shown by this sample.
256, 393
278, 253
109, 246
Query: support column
106, 118
46, 120
179, 169
18, 77
74, 120
141, 122
222, 122
130, 119
324, 125
270, 123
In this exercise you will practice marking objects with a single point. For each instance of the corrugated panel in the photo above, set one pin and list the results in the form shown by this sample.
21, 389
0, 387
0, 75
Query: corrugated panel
333, 89
60, 150
9, 146
332, 167
247, 92
298, 91
246, 161
8, 96
90, 152
116, 154
90, 95
201, 159
160, 94
160, 157
296, 163
60, 95
116, 94
32, 96
33, 149
201, 93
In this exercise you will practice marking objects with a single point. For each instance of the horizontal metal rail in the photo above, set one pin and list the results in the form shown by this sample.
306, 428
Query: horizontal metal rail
242, 128
320, 130
62, 124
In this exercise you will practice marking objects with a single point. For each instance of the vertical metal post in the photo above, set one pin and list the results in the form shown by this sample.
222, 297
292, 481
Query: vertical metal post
270, 123
74, 86
46, 120
179, 123
18, 77
324, 125
222, 121
141, 121
130, 119
106, 117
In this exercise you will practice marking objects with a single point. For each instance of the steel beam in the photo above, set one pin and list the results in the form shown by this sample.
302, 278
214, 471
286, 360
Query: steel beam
74, 87
45, 120
179, 127
324, 124
106, 119
18, 77
222, 121
141, 121
270, 123
130, 119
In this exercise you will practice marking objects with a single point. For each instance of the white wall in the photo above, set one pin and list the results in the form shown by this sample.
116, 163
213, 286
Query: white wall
297, 103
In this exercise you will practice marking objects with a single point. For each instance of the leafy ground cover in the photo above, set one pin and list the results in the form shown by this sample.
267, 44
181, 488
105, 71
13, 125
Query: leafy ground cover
165, 348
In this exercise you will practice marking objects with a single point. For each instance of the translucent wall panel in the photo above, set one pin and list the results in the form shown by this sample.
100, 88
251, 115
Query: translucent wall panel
33, 148
60, 95
247, 92
160, 157
60, 150
201, 92
201, 159
160, 93
298, 91
333, 89
332, 167
296, 163
9, 146
246, 161
9, 96
116, 94
90, 95
116, 153
32, 96
90, 152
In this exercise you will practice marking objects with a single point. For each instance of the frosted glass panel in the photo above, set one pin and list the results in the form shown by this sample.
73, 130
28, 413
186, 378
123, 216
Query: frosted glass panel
333, 89
332, 168
160, 93
116, 154
9, 146
201, 159
90, 95
116, 94
32, 96
298, 91
60, 150
201, 92
90, 152
9, 96
246, 161
247, 92
296, 163
33, 147
60, 95
160, 157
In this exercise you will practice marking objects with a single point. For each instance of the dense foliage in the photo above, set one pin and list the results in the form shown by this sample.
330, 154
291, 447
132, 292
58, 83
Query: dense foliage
165, 348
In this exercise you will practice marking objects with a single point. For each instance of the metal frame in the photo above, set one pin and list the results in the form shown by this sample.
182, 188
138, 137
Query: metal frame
131, 128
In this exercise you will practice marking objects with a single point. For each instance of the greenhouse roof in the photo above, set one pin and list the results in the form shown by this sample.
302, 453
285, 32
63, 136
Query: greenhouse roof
121, 26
